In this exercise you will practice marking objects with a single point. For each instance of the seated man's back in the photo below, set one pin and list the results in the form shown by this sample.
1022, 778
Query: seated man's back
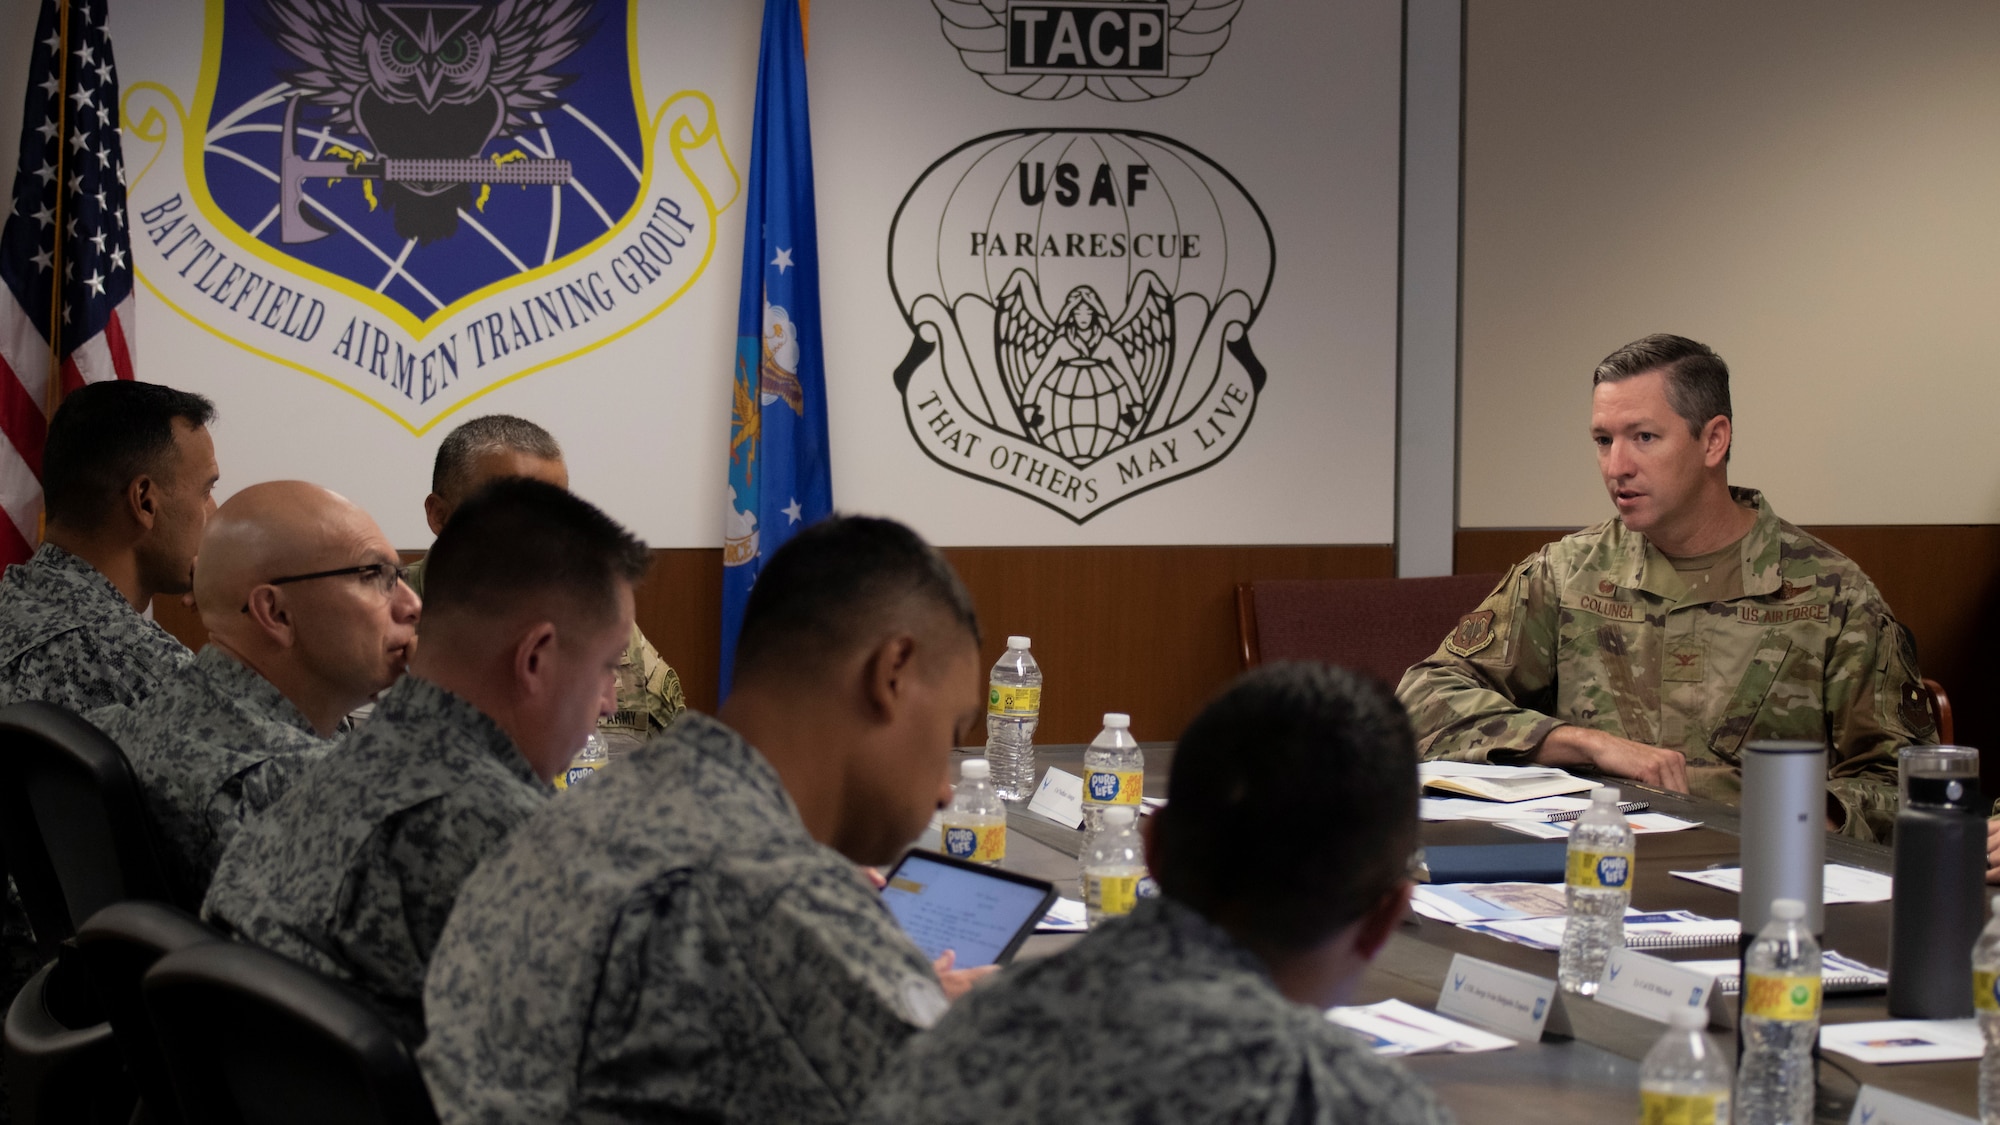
355, 870
688, 937
1282, 858
307, 619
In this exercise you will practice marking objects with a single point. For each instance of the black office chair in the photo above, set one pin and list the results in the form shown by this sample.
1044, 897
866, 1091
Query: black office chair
77, 838
119, 944
253, 1038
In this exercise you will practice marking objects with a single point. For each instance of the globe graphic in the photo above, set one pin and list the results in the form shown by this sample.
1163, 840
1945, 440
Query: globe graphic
1084, 411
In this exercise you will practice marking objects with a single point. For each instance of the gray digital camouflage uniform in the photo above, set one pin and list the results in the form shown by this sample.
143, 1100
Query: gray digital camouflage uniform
1599, 630
649, 690
669, 944
1159, 1018
68, 636
215, 744
354, 871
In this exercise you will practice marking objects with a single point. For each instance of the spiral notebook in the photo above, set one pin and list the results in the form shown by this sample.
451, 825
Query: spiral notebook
1670, 929
1837, 973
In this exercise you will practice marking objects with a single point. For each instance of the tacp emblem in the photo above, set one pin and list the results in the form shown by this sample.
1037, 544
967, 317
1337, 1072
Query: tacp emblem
1120, 50
1916, 708
1474, 632
1080, 304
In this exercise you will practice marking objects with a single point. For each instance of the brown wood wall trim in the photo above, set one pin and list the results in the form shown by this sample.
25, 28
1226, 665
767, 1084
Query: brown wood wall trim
1148, 630
1941, 580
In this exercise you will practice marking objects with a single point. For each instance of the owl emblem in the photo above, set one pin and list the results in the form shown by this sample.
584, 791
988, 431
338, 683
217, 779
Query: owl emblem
428, 81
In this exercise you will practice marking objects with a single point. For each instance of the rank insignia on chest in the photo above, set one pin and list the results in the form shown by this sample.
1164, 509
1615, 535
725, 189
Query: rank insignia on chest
1683, 663
1474, 632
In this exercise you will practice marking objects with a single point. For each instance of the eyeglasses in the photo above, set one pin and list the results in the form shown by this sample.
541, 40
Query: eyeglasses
382, 576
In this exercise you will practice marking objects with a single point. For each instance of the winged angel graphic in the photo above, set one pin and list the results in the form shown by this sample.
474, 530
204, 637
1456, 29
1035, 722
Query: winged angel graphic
1081, 385
429, 81
1197, 29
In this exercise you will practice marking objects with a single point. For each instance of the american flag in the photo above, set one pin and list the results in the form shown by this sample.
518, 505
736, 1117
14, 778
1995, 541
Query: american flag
67, 220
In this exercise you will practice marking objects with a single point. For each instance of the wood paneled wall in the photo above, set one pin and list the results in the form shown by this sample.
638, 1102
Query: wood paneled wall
1942, 580
1149, 630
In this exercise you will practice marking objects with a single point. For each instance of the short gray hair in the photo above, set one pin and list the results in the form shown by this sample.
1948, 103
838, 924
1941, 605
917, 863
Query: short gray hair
1697, 379
484, 435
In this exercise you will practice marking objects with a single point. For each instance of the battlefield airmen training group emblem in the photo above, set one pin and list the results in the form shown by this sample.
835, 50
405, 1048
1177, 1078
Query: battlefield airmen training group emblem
1121, 50
1081, 304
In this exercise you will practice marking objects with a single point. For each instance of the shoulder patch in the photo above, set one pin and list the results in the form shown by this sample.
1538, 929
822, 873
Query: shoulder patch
1474, 632
1916, 708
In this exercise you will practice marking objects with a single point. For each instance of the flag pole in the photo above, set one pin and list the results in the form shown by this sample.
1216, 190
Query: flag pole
54, 395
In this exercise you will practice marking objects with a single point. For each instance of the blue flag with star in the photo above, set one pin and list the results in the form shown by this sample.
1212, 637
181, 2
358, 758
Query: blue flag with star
779, 479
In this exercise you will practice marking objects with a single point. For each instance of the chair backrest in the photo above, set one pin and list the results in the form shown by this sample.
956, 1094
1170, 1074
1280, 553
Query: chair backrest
1380, 626
119, 944
253, 1038
75, 828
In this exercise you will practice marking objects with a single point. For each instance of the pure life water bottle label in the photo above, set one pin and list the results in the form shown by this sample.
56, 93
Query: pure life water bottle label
1115, 787
1609, 871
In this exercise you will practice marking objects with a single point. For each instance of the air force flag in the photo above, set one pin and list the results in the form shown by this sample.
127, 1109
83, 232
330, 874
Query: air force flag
779, 479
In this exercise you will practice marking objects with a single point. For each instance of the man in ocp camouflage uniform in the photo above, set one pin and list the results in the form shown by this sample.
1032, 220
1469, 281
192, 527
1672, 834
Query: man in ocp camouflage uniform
501, 445
1656, 645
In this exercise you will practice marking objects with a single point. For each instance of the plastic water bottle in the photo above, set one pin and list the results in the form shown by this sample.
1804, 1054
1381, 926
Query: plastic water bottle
1781, 992
1013, 707
1114, 774
974, 828
595, 755
1113, 865
1684, 1080
1598, 887
1986, 1004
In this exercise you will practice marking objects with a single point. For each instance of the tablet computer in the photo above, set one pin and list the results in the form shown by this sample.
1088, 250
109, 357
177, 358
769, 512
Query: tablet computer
982, 912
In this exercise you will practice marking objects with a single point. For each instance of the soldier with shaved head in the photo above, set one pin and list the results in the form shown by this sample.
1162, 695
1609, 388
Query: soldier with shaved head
307, 618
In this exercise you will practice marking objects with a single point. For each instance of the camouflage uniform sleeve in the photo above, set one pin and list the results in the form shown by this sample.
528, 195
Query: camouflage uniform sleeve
1875, 705
648, 685
1485, 694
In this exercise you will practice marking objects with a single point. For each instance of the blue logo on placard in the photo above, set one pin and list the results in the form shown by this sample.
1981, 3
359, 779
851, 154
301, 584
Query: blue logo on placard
960, 843
1694, 997
1103, 786
1612, 870
1457, 981
424, 151
1615, 970
1541, 1006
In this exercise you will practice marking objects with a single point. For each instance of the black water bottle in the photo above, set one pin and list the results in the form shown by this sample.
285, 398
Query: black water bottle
1940, 881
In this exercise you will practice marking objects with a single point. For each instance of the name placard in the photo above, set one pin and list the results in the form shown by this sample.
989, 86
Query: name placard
1508, 1001
1651, 986
1876, 1106
1059, 797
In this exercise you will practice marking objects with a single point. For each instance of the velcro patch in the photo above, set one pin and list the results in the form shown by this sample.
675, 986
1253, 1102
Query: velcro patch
1916, 708
1474, 632
1780, 614
1683, 663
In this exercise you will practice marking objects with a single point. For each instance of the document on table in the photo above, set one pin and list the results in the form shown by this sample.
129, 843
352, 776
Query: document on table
1500, 783
1670, 929
1642, 824
1067, 916
1470, 808
1484, 902
1883, 1042
1395, 1028
1842, 883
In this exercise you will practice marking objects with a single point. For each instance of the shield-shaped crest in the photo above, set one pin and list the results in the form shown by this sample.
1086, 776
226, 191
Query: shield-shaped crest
419, 154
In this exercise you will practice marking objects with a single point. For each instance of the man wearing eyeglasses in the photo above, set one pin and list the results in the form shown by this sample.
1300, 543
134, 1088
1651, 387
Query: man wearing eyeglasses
307, 618
355, 869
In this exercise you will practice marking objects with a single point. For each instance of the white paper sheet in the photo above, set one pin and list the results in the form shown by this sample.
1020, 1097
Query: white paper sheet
1393, 1027
1067, 916
1842, 883
1642, 824
1484, 902
1883, 1042
1471, 808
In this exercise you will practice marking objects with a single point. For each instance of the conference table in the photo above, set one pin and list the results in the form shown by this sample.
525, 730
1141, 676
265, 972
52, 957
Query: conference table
1586, 1067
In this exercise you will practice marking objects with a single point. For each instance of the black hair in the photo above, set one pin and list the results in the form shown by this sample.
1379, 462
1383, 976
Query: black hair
519, 537
451, 471
822, 593
104, 436
1294, 804
1697, 379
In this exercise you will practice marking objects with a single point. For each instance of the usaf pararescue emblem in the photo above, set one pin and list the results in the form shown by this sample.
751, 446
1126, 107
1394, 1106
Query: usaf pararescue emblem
418, 201
1121, 50
1081, 304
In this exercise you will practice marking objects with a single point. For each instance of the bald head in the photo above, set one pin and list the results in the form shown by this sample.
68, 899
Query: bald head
331, 642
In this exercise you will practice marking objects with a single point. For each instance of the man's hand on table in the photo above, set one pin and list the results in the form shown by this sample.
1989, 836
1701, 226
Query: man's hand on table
1615, 756
1993, 851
